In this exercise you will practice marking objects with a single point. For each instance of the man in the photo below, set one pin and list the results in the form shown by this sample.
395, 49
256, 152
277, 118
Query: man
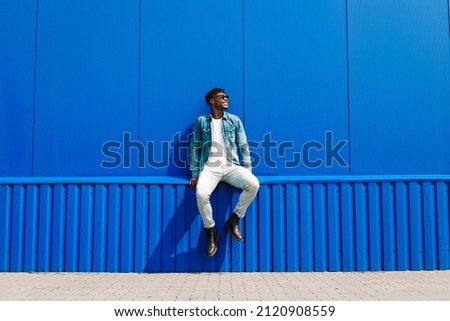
213, 158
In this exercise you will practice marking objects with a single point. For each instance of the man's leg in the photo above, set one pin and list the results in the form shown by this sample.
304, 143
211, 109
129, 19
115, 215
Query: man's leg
244, 179
207, 182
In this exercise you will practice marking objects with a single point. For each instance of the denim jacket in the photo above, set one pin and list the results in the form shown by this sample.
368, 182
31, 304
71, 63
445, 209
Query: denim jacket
233, 136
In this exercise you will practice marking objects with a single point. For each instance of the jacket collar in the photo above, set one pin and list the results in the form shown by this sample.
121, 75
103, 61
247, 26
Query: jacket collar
225, 115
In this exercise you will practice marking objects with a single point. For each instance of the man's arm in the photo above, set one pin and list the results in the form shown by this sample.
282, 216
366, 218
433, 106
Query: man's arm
241, 139
195, 147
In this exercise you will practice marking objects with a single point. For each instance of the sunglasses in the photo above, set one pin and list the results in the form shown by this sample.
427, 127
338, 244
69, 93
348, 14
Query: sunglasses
223, 96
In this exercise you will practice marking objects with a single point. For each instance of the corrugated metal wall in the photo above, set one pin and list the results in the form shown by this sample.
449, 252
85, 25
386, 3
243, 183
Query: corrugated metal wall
130, 225
307, 75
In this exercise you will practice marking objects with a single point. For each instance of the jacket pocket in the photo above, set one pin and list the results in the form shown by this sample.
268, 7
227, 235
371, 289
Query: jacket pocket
230, 134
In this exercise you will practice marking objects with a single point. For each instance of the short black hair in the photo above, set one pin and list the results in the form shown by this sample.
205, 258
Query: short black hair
213, 92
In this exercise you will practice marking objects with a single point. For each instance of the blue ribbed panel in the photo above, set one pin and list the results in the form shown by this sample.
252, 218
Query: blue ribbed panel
296, 225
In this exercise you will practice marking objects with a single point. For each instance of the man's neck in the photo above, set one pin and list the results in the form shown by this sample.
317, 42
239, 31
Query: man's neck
216, 114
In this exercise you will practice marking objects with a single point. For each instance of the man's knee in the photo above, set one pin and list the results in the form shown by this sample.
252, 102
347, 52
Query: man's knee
253, 185
203, 197
256, 186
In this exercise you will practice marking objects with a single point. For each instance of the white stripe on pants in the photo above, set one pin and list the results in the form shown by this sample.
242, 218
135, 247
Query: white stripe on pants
234, 175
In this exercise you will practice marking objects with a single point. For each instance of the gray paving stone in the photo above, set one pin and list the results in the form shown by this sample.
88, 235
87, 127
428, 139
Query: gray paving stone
289, 286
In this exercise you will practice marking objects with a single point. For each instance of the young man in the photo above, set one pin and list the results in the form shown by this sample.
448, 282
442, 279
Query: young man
214, 158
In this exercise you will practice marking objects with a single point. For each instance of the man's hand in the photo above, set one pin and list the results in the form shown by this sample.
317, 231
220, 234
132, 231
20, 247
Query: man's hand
193, 182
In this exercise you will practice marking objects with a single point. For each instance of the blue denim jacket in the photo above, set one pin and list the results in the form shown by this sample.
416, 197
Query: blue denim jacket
233, 136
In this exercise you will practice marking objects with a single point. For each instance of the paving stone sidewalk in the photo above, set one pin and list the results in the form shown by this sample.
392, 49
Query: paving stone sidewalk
286, 286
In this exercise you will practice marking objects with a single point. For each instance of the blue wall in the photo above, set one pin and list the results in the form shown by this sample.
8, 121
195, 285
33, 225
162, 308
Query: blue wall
142, 224
83, 82
76, 75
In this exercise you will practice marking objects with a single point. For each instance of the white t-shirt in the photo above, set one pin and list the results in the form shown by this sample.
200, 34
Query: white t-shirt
217, 155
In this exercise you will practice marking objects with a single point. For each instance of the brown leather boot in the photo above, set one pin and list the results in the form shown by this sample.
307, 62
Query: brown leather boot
233, 225
212, 236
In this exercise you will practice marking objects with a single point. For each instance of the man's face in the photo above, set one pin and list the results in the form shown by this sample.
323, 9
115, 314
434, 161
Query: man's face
220, 101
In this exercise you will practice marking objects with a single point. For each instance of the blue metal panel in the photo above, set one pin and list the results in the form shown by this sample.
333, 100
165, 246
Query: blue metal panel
387, 218
306, 228
429, 225
127, 229
59, 210
100, 228
114, 223
83, 84
320, 227
301, 225
17, 65
142, 225
443, 226
45, 227
31, 227
334, 223
295, 72
415, 193
86, 84
265, 228
181, 240
72, 244
168, 253
86, 227
292, 227
361, 227
402, 225
278, 228
179, 63
17, 228
374, 212
155, 228
398, 86
348, 227
5, 226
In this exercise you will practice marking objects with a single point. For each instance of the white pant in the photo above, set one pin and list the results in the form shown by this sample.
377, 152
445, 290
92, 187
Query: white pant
234, 175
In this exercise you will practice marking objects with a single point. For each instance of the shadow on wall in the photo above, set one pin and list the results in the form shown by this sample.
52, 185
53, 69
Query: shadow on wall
181, 242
